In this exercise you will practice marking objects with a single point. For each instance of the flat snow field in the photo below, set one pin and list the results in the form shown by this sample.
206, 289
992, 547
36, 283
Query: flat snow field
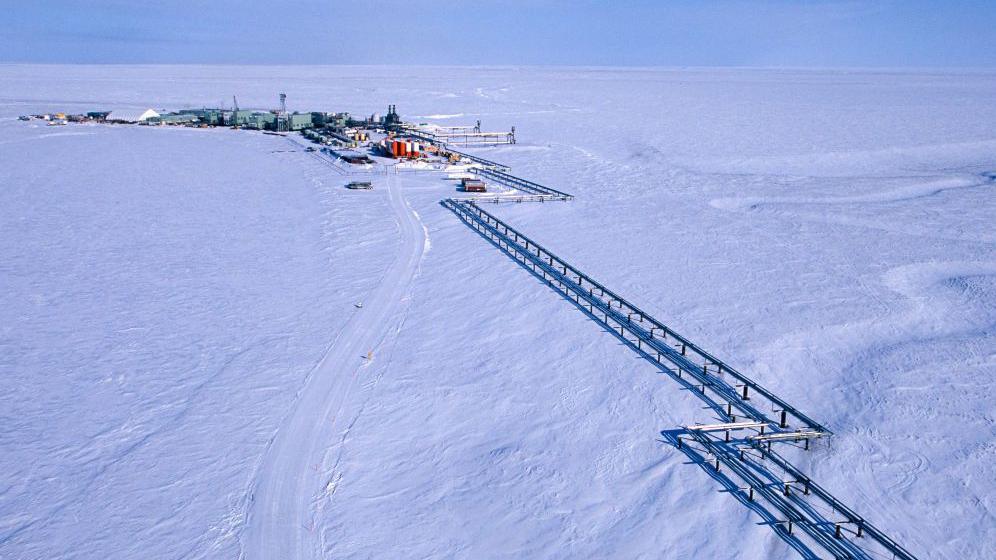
187, 375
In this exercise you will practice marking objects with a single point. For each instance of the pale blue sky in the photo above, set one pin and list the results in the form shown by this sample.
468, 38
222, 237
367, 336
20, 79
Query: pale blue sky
511, 32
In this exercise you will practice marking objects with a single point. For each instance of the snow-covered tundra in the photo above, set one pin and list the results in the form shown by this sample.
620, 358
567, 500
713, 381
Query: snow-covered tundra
187, 374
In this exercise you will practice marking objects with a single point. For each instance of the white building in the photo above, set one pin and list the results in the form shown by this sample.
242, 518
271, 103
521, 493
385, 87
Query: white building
131, 115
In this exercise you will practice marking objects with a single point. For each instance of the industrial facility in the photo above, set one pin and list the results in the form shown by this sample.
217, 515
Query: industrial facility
340, 137
338, 128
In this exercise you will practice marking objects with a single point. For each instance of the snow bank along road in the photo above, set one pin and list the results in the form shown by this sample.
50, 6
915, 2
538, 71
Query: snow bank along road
288, 483
794, 502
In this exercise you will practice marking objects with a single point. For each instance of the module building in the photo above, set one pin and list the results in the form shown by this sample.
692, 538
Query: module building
299, 121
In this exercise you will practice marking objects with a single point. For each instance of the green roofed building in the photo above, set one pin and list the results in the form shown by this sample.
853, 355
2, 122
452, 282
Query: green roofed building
262, 121
299, 121
239, 118
173, 118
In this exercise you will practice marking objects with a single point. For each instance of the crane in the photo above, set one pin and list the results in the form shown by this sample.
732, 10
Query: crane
235, 112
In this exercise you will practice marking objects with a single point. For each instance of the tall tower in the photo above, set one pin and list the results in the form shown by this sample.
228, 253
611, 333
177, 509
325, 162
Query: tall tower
392, 121
282, 124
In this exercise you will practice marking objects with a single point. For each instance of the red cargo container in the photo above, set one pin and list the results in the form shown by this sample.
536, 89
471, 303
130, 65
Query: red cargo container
402, 148
473, 185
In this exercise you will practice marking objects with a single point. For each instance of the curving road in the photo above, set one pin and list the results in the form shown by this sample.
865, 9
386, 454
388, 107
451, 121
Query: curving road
280, 522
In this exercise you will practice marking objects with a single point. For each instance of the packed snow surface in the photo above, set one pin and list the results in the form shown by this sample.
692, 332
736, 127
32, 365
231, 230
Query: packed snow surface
188, 373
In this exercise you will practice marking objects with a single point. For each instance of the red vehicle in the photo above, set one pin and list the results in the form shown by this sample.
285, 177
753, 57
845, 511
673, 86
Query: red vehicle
473, 185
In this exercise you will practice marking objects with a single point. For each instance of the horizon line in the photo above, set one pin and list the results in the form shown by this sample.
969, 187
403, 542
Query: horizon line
518, 66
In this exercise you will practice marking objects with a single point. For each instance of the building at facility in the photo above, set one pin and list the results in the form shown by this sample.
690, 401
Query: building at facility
131, 115
473, 185
299, 121
175, 119
262, 121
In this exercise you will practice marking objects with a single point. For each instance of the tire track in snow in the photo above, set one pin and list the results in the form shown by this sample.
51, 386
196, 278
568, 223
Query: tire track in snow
282, 498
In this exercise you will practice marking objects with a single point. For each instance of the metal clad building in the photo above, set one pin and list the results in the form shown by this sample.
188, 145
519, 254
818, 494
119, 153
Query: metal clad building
299, 121
262, 121
239, 118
